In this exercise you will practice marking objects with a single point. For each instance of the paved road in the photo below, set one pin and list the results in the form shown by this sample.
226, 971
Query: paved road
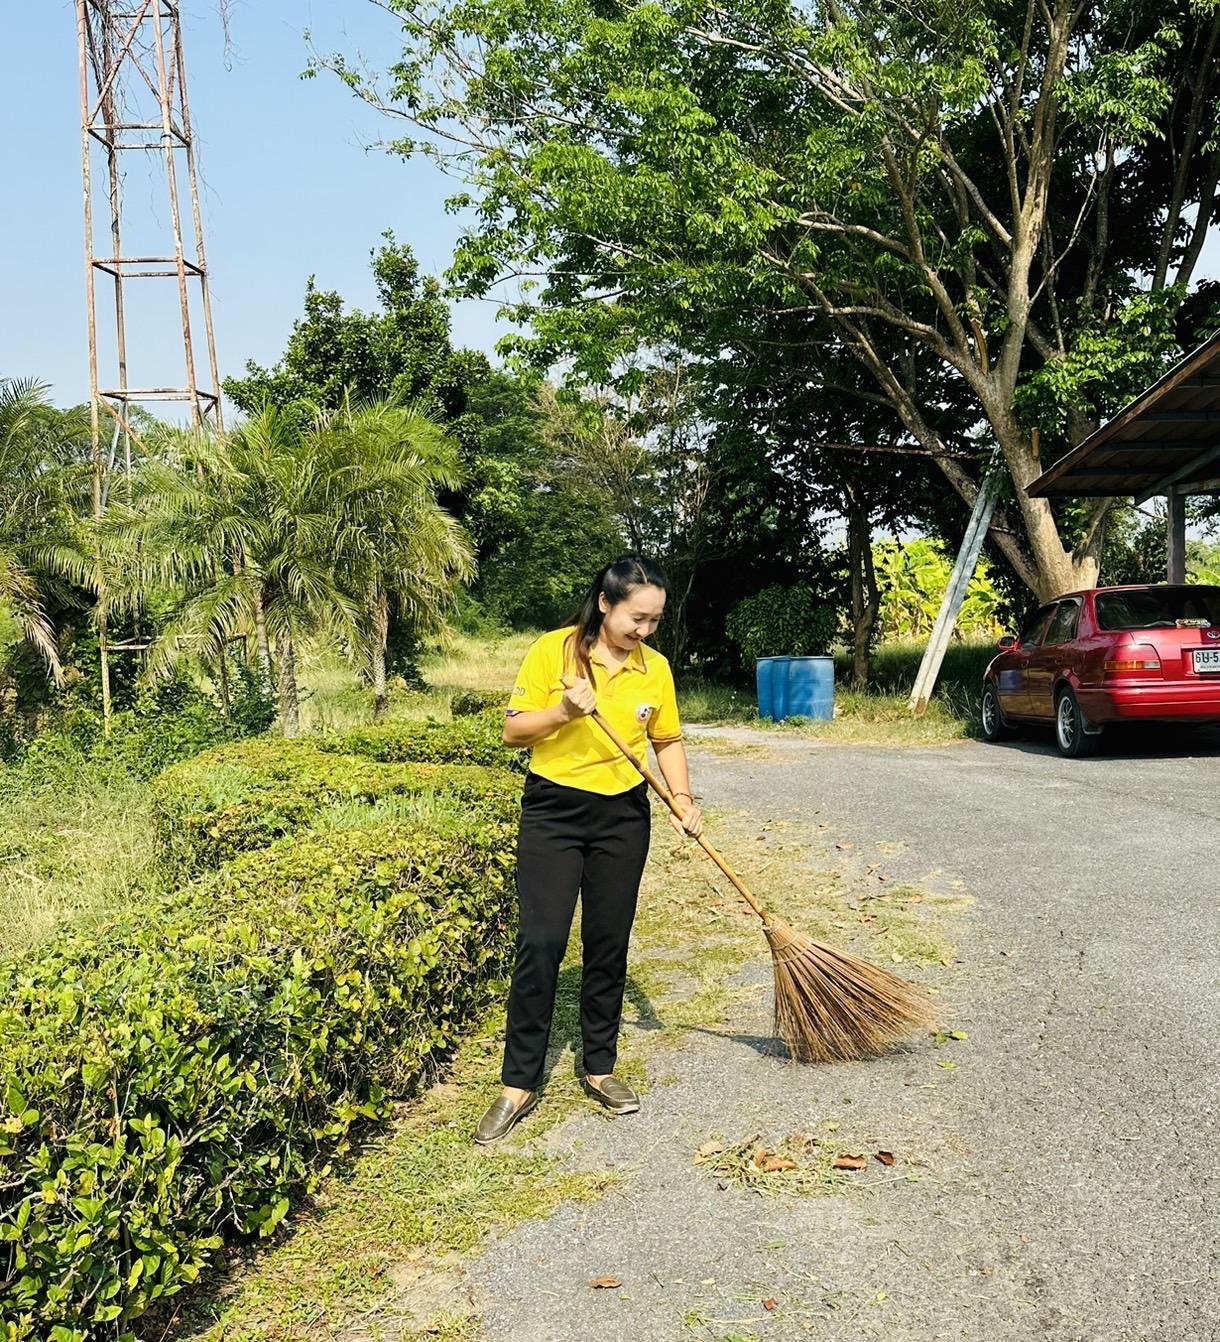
1070, 1189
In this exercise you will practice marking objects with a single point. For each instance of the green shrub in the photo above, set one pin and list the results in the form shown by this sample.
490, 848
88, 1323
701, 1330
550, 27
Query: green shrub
465, 740
246, 795
466, 703
781, 622
182, 1075
164, 726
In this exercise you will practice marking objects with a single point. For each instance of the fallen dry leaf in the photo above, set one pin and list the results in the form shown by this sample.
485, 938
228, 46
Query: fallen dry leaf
775, 1164
897, 959
709, 1149
770, 1303
605, 1283
885, 1157
847, 1161
760, 1155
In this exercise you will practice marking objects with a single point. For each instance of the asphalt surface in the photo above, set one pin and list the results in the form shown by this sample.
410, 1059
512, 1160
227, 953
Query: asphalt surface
1058, 1182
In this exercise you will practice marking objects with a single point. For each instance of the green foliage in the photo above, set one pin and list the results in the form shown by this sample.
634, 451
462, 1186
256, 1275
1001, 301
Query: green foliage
466, 740
1109, 362
467, 703
544, 510
956, 197
184, 1074
913, 578
39, 447
164, 724
245, 796
1136, 549
782, 622
400, 351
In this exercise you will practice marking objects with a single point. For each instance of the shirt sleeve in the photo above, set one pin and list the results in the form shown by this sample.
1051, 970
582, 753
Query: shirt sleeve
533, 684
665, 724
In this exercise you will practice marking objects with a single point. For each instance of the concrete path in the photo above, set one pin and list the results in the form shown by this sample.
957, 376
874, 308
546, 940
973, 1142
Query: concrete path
1058, 1182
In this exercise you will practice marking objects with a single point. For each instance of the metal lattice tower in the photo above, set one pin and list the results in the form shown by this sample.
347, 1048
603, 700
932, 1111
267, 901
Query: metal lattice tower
135, 113
134, 104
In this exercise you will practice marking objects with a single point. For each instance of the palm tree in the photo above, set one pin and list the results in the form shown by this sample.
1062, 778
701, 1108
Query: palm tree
240, 526
398, 546
286, 530
37, 448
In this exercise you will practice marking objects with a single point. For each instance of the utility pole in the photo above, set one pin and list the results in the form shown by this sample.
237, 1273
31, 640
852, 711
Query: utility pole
135, 113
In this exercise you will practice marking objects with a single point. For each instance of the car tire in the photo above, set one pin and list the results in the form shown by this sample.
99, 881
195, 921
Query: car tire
995, 726
1075, 735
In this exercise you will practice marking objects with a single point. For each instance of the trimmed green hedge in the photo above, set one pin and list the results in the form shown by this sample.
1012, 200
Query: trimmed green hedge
246, 795
183, 1074
477, 739
466, 703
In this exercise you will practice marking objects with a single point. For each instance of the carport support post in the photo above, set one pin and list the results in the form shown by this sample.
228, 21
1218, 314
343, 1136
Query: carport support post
955, 593
1175, 523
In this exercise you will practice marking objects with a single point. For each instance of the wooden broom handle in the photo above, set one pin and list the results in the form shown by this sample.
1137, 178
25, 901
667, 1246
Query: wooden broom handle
667, 797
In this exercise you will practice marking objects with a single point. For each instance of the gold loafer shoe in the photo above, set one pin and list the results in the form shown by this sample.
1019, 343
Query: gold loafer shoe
500, 1117
614, 1094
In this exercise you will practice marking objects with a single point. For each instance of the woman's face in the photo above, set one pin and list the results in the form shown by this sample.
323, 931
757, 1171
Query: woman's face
635, 618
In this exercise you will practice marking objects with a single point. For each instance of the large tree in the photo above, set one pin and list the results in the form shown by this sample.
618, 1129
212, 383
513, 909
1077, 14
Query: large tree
1006, 199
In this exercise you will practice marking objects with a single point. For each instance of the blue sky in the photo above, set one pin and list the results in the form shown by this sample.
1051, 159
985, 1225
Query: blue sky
288, 189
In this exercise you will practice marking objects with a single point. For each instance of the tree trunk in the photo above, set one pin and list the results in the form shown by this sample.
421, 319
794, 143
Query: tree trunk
264, 646
380, 603
865, 596
290, 701
222, 681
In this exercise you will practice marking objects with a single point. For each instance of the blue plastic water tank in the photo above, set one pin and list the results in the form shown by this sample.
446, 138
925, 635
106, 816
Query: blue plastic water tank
764, 678
809, 683
780, 707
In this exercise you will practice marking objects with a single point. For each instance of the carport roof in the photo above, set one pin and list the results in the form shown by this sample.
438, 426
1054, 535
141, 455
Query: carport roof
1166, 440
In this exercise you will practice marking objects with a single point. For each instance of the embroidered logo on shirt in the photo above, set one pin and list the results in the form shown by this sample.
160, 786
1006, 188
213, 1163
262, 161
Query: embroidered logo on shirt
643, 713
518, 689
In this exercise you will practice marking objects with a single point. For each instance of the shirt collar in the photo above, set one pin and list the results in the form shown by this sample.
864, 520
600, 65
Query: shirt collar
635, 660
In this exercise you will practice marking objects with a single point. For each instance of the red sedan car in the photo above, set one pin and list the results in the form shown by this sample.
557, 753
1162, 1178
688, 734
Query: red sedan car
1111, 654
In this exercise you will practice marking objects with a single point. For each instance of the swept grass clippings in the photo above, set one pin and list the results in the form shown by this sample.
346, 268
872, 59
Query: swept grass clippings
802, 1165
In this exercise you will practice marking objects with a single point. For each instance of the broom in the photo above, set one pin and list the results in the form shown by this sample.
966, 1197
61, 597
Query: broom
828, 1004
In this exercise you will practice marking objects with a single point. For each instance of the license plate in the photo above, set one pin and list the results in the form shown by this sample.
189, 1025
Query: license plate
1207, 661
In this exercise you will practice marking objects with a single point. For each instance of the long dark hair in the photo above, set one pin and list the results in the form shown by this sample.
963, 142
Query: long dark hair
617, 581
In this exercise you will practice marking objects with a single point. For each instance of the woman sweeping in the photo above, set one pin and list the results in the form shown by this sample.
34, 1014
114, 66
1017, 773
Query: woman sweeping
585, 824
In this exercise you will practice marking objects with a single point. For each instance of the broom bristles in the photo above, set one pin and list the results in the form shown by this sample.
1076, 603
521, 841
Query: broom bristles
832, 1006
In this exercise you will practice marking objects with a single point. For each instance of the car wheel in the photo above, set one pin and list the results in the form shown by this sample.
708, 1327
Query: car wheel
1075, 735
994, 726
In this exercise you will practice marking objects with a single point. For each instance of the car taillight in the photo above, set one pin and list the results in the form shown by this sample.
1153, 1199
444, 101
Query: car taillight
1134, 661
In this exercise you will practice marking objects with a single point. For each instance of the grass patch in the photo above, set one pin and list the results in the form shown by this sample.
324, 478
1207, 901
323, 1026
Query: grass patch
332, 698
75, 846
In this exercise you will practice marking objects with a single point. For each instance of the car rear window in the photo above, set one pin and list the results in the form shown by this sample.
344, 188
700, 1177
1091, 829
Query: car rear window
1158, 608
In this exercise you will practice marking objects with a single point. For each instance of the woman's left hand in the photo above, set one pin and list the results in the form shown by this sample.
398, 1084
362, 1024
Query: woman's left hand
691, 822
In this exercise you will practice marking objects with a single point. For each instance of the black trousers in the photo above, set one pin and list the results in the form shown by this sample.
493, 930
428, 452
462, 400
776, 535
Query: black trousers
573, 842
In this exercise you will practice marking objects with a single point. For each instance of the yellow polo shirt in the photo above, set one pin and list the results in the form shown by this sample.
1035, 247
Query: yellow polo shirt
638, 701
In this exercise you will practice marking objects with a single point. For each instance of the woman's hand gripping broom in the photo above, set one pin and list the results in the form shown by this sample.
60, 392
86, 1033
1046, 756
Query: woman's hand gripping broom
828, 1004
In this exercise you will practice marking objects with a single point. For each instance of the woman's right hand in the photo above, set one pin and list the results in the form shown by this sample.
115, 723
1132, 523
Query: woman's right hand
578, 699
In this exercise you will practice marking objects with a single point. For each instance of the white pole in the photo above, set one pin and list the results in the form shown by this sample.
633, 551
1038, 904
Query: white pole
955, 593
